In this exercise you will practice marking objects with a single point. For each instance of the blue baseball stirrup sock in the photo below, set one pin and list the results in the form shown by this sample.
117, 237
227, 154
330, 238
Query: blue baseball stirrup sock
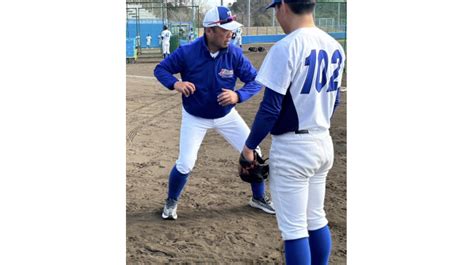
258, 190
297, 252
176, 183
320, 244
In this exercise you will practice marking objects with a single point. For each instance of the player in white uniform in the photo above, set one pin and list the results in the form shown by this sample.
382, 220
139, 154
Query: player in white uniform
302, 74
165, 41
148, 41
238, 38
191, 35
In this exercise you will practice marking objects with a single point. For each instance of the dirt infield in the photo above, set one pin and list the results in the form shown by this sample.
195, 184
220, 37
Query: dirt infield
215, 224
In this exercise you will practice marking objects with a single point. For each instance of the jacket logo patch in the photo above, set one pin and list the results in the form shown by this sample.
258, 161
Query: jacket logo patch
226, 73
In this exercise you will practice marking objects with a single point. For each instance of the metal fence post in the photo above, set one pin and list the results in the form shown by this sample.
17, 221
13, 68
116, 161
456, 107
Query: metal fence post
273, 20
248, 15
338, 16
194, 16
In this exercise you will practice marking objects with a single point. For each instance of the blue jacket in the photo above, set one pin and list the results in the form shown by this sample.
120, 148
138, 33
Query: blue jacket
209, 76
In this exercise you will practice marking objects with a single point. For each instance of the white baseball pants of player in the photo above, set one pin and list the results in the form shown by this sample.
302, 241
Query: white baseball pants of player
299, 164
193, 129
166, 47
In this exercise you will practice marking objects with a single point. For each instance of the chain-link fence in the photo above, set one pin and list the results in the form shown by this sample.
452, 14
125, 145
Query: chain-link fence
329, 16
145, 21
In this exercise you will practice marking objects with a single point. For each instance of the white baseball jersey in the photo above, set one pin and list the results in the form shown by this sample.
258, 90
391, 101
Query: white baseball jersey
148, 40
166, 34
306, 67
309, 63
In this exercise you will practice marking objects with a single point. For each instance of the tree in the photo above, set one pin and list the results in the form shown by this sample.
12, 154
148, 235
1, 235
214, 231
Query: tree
258, 15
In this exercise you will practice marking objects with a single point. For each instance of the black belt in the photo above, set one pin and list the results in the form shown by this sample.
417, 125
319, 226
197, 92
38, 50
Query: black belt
302, 132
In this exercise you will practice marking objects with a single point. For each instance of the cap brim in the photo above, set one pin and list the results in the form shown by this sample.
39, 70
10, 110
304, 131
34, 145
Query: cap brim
270, 5
231, 25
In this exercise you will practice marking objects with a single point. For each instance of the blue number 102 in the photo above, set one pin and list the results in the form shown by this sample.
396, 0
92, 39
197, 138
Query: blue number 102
322, 68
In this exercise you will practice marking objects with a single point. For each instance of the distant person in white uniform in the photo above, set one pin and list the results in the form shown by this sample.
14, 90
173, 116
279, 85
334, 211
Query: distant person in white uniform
237, 37
191, 35
165, 41
138, 44
137, 40
148, 41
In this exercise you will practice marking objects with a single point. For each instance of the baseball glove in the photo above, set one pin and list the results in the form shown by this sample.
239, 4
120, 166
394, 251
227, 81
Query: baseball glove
254, 171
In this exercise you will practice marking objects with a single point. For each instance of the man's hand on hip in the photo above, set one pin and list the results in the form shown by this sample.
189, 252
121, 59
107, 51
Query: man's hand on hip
227, 97
185, 88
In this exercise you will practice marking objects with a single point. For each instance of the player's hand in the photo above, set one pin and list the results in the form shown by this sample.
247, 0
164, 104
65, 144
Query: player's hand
185, 88
227, 97
255, 170
248, 154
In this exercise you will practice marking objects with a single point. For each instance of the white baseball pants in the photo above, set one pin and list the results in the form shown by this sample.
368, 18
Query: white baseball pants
299, 164
166, 47
193, 129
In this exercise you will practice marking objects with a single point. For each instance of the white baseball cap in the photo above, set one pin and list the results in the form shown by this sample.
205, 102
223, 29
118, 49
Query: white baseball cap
222, 17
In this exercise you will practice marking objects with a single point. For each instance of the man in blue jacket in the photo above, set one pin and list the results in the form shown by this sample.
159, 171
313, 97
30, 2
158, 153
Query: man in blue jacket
209, 68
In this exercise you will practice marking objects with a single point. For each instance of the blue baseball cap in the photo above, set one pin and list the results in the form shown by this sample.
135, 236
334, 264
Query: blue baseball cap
274, 2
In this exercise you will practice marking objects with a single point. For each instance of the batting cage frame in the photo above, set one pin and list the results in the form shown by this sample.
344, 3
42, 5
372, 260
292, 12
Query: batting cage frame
148, 19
